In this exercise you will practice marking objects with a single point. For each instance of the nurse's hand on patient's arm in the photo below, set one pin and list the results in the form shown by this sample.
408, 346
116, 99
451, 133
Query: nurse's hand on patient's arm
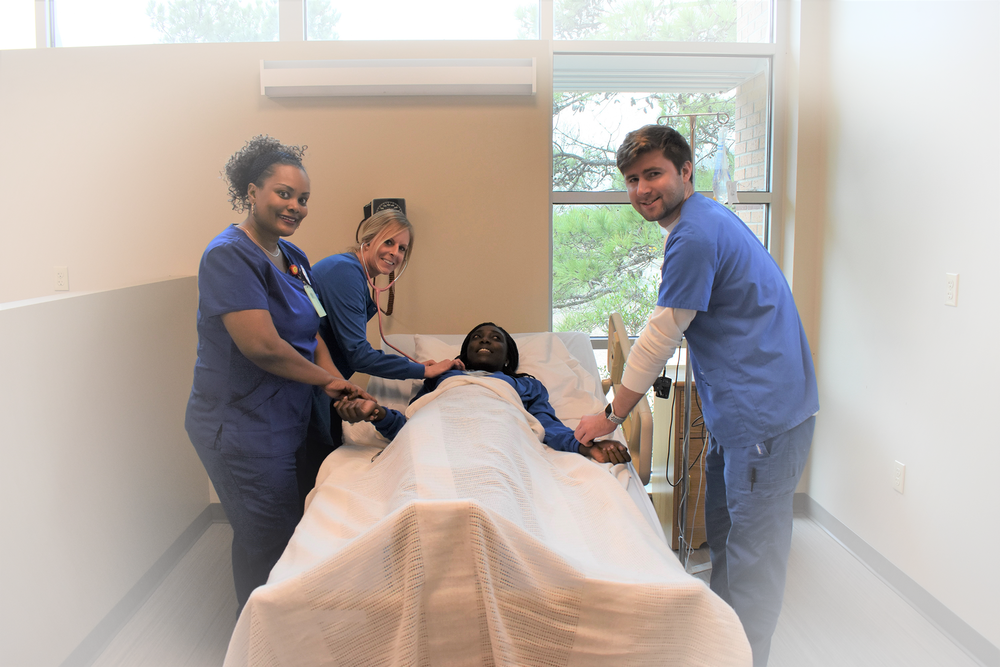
354, 410
593, 426
432, 368
606, 451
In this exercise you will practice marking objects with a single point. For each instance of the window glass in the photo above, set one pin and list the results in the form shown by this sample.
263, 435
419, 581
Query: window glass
17, 30
757, 218
605, 259
588, 129
110, 22
747, 21
724, 100
434, 19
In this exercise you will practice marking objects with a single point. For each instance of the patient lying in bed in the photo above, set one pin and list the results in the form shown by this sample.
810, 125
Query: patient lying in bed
470, 542
489, 351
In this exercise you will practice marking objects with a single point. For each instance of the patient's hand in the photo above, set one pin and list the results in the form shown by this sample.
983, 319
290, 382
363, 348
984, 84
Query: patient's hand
607, 451
357, 409
432, 368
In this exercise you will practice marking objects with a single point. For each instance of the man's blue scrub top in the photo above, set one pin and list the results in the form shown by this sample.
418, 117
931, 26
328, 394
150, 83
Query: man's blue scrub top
749, 352
235, 405
343, 288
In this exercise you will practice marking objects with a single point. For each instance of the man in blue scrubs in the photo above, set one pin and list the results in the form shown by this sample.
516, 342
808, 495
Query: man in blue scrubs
752, 367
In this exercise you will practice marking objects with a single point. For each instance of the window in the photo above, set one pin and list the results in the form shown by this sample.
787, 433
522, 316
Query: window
116, 22
606, 258
17, 30
435, 19
664, 20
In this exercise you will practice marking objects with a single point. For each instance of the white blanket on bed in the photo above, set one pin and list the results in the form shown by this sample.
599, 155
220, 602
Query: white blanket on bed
468, 542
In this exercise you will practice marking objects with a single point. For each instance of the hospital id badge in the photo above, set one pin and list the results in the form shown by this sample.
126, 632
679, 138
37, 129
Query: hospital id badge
311, 293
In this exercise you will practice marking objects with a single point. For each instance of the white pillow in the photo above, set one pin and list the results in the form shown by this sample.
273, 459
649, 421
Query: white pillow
429, 347
571, 388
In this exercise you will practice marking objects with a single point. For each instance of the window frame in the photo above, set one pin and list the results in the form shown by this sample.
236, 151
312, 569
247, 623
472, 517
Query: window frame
773, 51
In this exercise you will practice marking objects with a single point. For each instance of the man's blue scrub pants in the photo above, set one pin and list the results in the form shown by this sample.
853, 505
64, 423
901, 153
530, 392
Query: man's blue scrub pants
748, 520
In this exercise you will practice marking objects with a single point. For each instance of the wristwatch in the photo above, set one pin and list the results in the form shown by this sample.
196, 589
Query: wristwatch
610, 415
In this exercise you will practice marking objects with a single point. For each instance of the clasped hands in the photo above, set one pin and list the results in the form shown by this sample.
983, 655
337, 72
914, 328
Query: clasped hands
602, 451
339, 389
358, 406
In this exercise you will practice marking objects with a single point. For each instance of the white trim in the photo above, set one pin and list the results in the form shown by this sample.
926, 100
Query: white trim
291, 21
94, 643
621, 197
960, 632
585, 46
376, 77
44, 28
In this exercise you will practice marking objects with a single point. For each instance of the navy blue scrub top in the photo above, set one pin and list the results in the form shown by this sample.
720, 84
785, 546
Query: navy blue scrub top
235, 405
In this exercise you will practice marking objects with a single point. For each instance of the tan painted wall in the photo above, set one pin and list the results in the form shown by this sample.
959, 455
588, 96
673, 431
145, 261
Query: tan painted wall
118, 153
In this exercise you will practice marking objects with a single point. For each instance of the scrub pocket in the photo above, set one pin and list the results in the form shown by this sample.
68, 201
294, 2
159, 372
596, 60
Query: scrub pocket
771, 465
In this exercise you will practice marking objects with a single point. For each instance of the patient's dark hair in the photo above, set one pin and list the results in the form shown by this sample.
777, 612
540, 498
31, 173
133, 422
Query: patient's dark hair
254, 163
510, 366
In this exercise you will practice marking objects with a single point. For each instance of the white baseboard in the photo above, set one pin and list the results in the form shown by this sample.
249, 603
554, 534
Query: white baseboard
960, 632
94, 644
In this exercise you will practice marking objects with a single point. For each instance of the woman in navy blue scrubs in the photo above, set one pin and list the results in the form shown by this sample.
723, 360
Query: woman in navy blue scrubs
259, 356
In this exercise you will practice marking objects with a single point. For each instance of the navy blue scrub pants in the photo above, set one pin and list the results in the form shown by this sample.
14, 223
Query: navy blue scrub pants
748, 520
260, 496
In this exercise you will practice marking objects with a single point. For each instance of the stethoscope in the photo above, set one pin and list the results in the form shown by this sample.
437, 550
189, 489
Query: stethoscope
377, 293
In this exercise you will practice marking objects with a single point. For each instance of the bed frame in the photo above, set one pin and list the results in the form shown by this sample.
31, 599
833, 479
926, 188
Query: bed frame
638, 425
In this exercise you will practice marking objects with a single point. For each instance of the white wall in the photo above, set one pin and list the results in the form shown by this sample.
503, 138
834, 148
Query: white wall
911, 188
97, 478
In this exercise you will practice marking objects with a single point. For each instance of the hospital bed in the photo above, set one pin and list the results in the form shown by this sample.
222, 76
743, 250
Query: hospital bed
466, 541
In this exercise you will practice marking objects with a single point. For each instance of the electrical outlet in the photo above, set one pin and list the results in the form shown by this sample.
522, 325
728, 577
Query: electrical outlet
62, 278
951, 289
898, 475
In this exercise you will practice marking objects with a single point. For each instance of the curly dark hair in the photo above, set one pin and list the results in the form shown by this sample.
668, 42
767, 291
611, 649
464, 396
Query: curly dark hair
254, 163
513, 358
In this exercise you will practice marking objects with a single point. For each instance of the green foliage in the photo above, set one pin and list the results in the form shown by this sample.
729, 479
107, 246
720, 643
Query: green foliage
192, 21
605, 259
321, 20
527, 17
646, 20
583, 164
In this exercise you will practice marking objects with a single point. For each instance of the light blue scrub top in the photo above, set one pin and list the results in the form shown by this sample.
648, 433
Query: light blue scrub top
235, 405
750, 357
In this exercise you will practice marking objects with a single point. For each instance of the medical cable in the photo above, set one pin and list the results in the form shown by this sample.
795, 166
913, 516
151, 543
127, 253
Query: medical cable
670, 426
377, 292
